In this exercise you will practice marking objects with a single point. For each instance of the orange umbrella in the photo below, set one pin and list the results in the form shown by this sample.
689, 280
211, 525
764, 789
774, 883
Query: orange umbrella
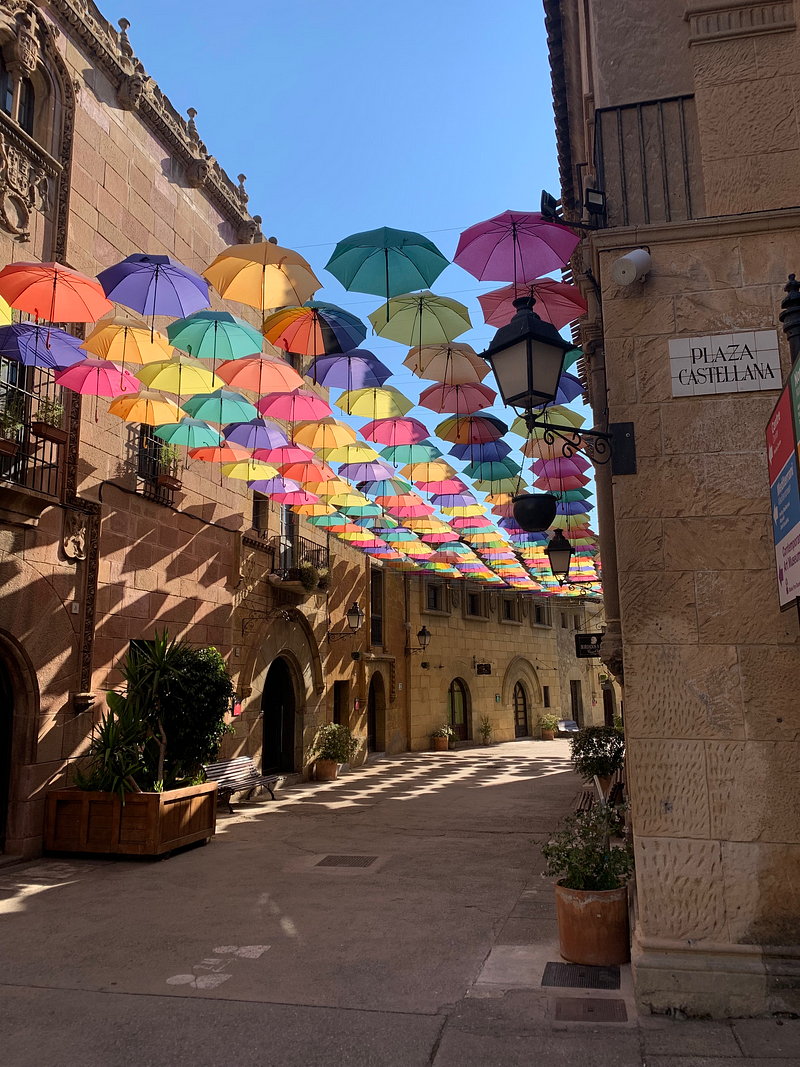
260, 375
53, 292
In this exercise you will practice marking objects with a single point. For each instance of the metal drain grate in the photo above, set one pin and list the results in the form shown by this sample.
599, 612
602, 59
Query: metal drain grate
346, 861
577, 976
590, 1010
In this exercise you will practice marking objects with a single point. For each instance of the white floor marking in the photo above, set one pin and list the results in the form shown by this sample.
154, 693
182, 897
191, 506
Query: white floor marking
213, 966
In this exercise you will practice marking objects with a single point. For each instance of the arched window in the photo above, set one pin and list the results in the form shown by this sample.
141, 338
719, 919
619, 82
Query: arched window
457, 709
520, 711
6, 88
27, 103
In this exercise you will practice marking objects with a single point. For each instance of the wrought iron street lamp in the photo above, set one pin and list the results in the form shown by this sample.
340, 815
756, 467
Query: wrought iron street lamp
423, 639
559, 552
527, 357
355, 620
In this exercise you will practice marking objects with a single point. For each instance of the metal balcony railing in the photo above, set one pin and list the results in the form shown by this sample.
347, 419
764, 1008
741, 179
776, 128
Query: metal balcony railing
30, 450
292, 552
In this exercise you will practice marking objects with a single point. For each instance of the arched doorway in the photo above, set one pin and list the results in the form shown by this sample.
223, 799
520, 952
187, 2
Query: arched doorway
521, 725
376, 715
6, 739
278, 715
457, 717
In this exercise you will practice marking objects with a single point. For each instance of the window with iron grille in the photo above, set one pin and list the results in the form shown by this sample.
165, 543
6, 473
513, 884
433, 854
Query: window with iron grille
149, 467
30, 443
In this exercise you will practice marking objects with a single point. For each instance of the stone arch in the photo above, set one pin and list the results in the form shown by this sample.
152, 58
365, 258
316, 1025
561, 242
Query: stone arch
377, 699
522, 670
463, 670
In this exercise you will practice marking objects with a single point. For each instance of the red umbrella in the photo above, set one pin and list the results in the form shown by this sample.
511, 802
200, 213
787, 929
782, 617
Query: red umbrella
297, 406
306, 472
53, 292
461, 399
395, 431
556, 302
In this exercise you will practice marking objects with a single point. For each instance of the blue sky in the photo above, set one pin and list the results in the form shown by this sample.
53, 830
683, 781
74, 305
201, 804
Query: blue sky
428, 115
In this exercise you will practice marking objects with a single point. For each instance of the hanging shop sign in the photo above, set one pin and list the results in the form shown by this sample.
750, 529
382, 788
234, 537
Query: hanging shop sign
587, 646
725, 363
782, 456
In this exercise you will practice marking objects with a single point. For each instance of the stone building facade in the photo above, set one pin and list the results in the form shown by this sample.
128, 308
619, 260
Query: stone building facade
95, 164
684, 113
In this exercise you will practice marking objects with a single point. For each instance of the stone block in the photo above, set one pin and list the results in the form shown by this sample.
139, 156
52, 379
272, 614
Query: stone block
683, 691
718, 543
768, 1037
164, 232
751, 785
116, 185
87, 156
680, 888
720, 598
627, 313
668, 788
164, 208
662, 487
719, 63
759, 114
140, 180
736, 484
658, 608
118, 160
733, 423
770, 685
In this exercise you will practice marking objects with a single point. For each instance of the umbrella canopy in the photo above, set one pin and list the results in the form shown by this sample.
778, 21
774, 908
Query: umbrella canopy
365, 471
263, 276
215, 335
386, 262
384, 403
298, 406
329, 487
257, 433
155, 285
468, 429
492, 470
147, 406
421, 319
260, 375
179, 374
386, 487
225, 452
194, 433
492, 485
279, 484
126, 340
306, 473
96, 377
6, 318
351, 453
358, 369
220, 406
395, 431
491, 450
53, 292
516, 246
40, 346
298, 498
315, 329
249, 470
428, 471
324, 434
286, 453
423, 452
461, 399
453, 363
556, 302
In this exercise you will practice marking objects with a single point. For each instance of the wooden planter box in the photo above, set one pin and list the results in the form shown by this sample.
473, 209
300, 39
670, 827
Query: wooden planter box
148, 824
49, 433
169, 481
8, 447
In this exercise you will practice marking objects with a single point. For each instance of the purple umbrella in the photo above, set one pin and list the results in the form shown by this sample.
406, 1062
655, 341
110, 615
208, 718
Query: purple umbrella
357, 369
517, 246
569, 389
372, 471
40, 346
573, 507
275, 485
155, 285
258, 433
453, 500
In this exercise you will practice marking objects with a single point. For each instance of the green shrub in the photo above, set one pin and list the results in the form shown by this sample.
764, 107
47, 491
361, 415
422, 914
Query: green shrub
581, 855
309, 576
597, 750
548, 722
50, 411
486, 727
444, 731
334, 742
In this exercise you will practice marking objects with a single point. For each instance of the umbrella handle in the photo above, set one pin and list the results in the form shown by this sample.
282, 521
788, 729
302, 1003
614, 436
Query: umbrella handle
386, 254
153, 315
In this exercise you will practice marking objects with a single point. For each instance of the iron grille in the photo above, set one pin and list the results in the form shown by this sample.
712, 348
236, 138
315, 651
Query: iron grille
579, 976
30, 458
149, 467
294, 551
346, 861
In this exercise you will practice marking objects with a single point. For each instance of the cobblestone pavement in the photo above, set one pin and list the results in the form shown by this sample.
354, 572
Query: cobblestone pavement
253, 951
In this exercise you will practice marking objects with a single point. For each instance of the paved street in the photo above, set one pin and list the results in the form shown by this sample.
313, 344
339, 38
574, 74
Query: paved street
251, 953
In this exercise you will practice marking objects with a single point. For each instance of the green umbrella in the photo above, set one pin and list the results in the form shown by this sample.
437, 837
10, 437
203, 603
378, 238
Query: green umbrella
386, 262
421, 319
492, 470
216, 335
194, 433
423, 452
334, 519
220, 406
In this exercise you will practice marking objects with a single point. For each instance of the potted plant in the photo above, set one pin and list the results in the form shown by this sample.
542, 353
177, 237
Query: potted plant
442, 737
598, 750
49, 416
11, 422
591, 893
308, 575
486, 729
168, 459
548, 725
324, 580
142, 790
333, 745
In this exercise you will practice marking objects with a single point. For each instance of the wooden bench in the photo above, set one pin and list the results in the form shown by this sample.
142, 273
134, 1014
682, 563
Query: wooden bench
587, 798
237, 776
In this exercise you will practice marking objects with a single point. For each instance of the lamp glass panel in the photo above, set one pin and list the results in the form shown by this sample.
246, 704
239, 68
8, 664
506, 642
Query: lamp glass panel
560, 560
510, 368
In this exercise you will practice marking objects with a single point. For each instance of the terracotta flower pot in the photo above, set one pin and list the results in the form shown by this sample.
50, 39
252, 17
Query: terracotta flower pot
169, 481
440, 744
593, 926
326, 770
8, 447
548, 735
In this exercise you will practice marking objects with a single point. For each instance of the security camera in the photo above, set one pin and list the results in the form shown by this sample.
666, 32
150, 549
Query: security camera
631, 267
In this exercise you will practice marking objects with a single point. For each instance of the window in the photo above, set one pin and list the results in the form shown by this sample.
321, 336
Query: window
576, 697
6, 89
541, 614
576, 622
260, 512
26, 106
476, 605
340, 703
457, 709
435, 597
546, 695
510, 609
564, 620
288, 541
148, 466
376, 606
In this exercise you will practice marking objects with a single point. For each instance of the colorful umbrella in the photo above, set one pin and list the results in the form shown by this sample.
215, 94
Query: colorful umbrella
299, 498
358, 369
249, 470
298, 406
493, 470
324, 434
215, 335
351, 453
225, 452
386, 487
471, 428
386, 262
423, 452
428, 471
260, 375
556, 302
256, 434
279, 484
126, 340
453, 363
40, 346
306, 473
480, 453
421, 319
194, 433
315, 329
53, 292
365, 472
179, 374
395, 431
462, 399
263, 275
385, 403
220, 406
155, 285
96, 377
6, 318
286, 453
149, 407
516, 246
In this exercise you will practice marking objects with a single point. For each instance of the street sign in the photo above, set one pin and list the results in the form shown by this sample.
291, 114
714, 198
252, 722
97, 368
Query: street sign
784, 488
587, 646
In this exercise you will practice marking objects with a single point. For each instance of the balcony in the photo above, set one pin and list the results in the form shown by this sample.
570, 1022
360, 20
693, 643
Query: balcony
32, 440
290, 557
647, 160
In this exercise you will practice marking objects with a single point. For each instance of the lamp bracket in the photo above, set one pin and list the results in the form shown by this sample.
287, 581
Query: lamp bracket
593, 443
413, 651
337, 635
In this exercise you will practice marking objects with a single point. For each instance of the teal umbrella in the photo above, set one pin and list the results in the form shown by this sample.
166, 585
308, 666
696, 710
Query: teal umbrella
216, 335
334, 519
423, 452
194, 433
386, 262
492, 470
360, 509
220, 406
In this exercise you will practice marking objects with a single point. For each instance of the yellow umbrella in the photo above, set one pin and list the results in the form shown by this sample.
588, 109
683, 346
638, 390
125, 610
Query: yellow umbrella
385, 403
349, 500
147, 406
249, 470
325, 490
314, 509
350, 453
356, 535
423, 526
327, 433
5, 313
415, 548
181, 375
453, 363
499, 498
465, 512
433, 471
263, 275
125, 340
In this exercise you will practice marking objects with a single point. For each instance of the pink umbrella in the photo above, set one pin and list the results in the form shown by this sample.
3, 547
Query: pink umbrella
452, 486
285, 454
475, 520
554, 485
299, 496
97, 377
396, 431
297, 406
552, 468
556, 302
517, 246
461, 399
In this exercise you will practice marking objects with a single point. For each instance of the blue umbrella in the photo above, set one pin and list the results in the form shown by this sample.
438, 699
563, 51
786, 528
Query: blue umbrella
257, 433
485, 453
423, 452
155, 285
40, 346
569, 389
357, 369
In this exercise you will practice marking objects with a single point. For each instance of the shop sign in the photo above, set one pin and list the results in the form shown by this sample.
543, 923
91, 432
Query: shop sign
725, 363
782, 458
587, 646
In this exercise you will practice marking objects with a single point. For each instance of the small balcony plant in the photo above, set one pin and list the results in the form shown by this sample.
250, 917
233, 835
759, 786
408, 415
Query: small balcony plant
309, 576
333, 745
324, 582
548, 724
11, 422
168, 460
442, 737
49, 417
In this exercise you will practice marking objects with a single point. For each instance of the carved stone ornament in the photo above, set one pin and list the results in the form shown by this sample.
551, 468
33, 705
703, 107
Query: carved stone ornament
132, 89
24, 181
73, 536
456, 597
198, 172
24, 49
